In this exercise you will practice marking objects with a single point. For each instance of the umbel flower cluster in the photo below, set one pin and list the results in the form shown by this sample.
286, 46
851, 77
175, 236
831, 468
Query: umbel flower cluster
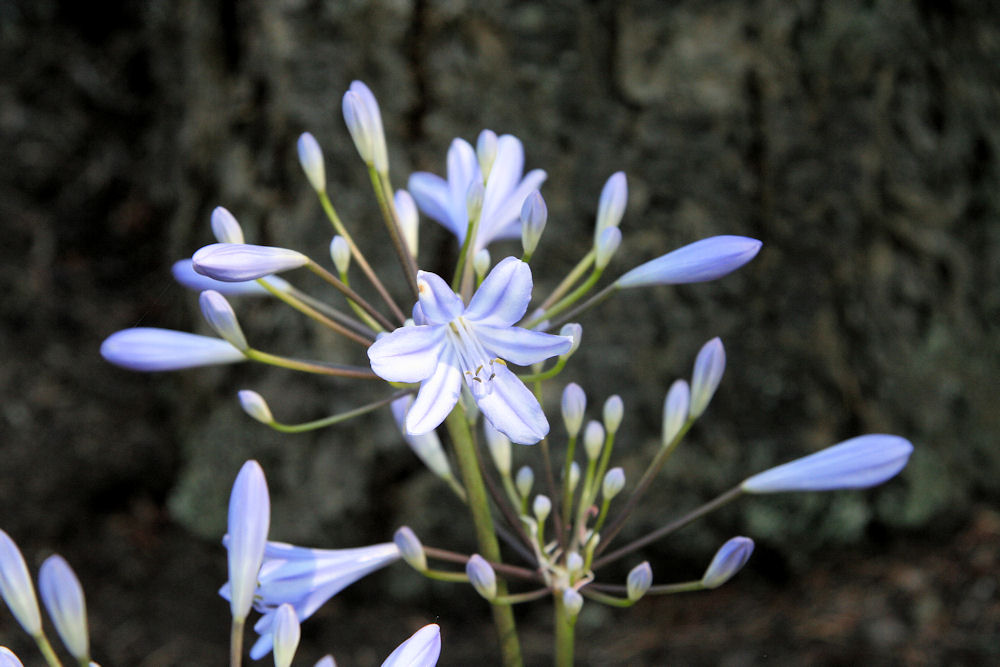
467, 354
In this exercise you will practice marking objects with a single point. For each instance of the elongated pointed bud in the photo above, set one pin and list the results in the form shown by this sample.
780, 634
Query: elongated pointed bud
286, 633
857, 463
614, 482
409, 219
184, 273
639, 579
410, 548
340, 253
574, 476
311, 159
221, 317
499, 446
62, 596
249, 520
486, 152
481, 263
572, 602
675, 411
235, 262
593, 439
152, 349
524, 480
481, 576
574, 404
606, 246
729, 559
708, 369
541, 508
474, 199
254, 405
225, 228
427, 446
8, 659
614, 412
698, 262
611, 207
421, 650
534, 215
575, 332
326, 661
16, 588
364, 122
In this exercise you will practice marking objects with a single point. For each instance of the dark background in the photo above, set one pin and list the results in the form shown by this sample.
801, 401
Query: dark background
858, 140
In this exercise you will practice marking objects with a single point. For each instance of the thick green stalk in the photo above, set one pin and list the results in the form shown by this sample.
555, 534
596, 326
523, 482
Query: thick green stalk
46, 648
236, 643
486, 537
564, 634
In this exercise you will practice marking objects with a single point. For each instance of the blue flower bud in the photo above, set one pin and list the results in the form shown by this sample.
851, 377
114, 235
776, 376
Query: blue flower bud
606, 246
15, 586
534, 215
499, 446
708, 369
614, 482
675, 411
254, 405
574, 563
221, 317
364, 122
541, 508
700, 261
421, 650
427, 446
574, 403
225, 228
481, 263
857, 463
474, 199
614, 411
340, 253
152, 349
325, 661
611, 207
639, 579
524, 480
572, 602
481, 576
573, 331
729, 559
236, 262
185, 274
410, 548
574, 476
62, 596
286, 633
249, 520
409, 219
8, 659
311, 159
593, 439
486, 152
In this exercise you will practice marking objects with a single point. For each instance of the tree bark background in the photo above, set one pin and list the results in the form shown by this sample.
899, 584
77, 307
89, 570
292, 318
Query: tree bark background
858, 140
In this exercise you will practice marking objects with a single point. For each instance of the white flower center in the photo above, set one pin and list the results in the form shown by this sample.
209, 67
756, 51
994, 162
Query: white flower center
475, 361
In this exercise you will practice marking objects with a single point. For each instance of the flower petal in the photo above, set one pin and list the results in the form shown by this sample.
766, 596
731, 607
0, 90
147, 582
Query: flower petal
431, 193
437, 396
185, 274
505, 174
504, 295
505, 222
513, 409
153, 349
408, 354
522, 346
438, 302
420, 650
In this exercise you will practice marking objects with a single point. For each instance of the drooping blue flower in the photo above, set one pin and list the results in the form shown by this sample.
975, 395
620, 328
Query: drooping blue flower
445, 200
452, 341
153, 349
728, 560
857, 463
697, 262
306, 579
422, 649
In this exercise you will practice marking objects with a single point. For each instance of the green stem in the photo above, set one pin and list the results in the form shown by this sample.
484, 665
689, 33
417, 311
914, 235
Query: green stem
567, 301
564, 634
598, 298
47, 651
309, 311
334, 419
570, 278
350, 294
383, 192
318, 367
468, 463
236, 643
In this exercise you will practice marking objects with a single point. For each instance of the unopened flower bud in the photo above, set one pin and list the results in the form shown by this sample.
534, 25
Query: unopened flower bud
574, 563
573, 602
62, 596
326, 661
614, 482
481, 576
486, 152
15, 586
409, 220
611, 207
221, 317
427, 446
574, 476
574, 403
422, 649
254, 405
238, 262
225, 228
541, 508
152, 349
474, 199
729, 559
364, 122
410, 548
640, 578
593, 439
534, 214
606, 246
697, 262
708, 369
340, 253
311, 159
248, 523
8, 659
574, 331
286, 634
524, 480
675, 411
614, 411
499, 446
481, 263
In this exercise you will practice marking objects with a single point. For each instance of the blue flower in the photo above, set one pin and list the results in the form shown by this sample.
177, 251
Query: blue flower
452, 340
445, 200
62, 596
420, 650
728, 560
306, 579
248, 523
697, 262
153, 349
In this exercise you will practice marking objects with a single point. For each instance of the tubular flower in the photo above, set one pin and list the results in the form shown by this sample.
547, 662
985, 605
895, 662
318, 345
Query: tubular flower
452, 340
505, 192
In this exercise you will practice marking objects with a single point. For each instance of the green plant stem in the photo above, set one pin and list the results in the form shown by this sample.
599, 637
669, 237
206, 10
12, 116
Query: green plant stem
383, 192
47, 651
334, 419
350, 294
598, 298
236, 643
564, 641
575, 274
468, 463
309, 311
318, 367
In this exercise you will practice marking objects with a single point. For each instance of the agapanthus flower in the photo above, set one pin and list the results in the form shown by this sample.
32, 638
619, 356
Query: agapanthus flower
15, 586
306, 579
728, 560
63, 598
154, 349
422, 649
451, 341
445, 200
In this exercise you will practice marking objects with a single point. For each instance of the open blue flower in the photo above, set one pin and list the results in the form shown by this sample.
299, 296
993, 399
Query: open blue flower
505, 191
452, 341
